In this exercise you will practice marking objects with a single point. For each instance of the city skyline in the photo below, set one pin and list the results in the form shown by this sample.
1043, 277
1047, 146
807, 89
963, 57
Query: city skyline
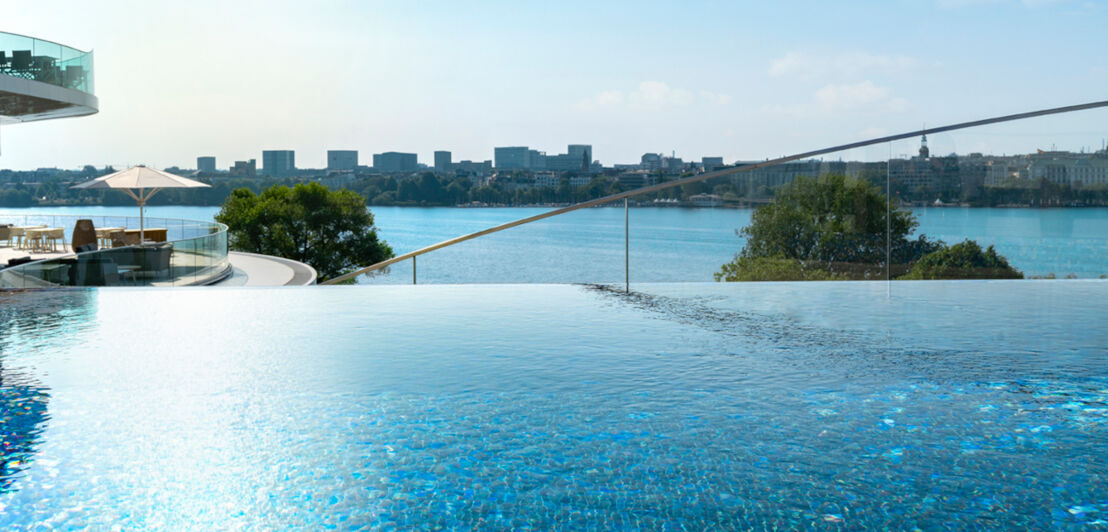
629, 78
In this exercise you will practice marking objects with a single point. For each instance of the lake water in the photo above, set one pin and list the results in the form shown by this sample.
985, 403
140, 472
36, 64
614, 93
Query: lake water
671, 244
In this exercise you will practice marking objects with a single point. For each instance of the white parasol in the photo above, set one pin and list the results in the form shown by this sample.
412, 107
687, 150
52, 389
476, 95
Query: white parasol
148, 181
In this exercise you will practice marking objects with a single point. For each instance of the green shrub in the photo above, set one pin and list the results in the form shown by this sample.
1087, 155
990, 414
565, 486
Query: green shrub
773, 269
963, 261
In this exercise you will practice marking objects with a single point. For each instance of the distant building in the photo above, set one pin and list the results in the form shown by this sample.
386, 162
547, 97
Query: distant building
342, 159
205, 164
673, 164
651, 162
536, 160
442, 161
546, 179
278, 162
579, 159
392, 161
1077, 170
711, 163
583, 153
1004, 170
471, 168
633, 180
512, 157
579, 180
245, 168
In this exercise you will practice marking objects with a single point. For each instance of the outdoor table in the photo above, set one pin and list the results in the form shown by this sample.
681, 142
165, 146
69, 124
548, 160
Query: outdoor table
156, 234
35, 238
21, 234
104, 236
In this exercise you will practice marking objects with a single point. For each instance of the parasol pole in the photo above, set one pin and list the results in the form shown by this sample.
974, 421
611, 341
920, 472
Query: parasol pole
142, 221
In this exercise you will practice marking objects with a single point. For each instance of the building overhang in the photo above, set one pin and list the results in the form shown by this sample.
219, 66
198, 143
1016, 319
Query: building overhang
26, 100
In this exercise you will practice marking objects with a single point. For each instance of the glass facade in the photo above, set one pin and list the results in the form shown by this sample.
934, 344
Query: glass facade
45, 61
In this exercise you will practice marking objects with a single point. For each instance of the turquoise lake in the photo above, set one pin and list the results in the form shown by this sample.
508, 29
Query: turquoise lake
670, 244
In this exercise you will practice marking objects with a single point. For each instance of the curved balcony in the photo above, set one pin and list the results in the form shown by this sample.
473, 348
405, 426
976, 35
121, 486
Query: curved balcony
40, 80
174, 252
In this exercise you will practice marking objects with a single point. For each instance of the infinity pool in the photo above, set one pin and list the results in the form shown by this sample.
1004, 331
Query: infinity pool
963, 404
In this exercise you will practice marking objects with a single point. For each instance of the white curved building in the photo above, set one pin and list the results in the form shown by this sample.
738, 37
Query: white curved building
40, 80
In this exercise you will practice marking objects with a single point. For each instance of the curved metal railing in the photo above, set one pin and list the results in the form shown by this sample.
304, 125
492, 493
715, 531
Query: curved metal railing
193, 253
705, 177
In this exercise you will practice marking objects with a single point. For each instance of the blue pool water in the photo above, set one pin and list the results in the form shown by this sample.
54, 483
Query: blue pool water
961, 404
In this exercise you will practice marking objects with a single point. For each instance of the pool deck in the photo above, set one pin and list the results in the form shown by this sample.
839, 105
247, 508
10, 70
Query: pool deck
247, 269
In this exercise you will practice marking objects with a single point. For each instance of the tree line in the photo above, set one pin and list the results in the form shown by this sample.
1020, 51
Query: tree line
28, 189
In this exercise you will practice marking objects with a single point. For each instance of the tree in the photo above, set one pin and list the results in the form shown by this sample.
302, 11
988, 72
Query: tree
835, 224
963, 261
332, 231
834, 227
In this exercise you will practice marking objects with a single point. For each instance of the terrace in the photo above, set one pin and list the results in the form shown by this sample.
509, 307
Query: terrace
41, 80
39, 253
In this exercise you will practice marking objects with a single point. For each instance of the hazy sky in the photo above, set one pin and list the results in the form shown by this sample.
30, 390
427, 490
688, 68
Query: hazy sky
742, 80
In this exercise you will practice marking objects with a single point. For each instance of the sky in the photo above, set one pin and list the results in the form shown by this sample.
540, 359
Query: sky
741, 80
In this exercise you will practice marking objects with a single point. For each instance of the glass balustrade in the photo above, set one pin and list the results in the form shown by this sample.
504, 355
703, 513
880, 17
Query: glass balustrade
1023, 198
165, 252
46, 61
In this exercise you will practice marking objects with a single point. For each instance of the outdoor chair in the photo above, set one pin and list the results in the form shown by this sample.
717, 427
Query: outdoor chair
54, 236
34, 240
84, 232
4, 61
94, 270
152, 261
6, 234
73, 76
104, 236
21, 61
118, 239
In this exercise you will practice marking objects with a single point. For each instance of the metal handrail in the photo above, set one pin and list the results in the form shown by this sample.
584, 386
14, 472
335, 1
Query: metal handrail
711, 175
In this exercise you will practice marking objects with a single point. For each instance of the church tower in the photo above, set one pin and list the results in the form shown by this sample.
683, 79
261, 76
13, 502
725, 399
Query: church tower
923, 151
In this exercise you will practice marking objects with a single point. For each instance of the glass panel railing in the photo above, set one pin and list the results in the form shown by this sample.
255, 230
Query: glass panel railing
46, 61
175, 253
984, 202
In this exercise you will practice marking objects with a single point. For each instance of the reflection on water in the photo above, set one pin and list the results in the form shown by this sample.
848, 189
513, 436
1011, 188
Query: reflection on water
29, 319
23, 418
943, 405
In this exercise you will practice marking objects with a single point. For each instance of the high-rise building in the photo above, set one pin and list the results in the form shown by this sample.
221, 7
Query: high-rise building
278, 162
342, 159
583, 153
392, 161
442, 161
512, 157
206, 164
536, 160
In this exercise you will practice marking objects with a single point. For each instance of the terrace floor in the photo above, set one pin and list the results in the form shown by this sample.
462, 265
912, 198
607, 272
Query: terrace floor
248, 269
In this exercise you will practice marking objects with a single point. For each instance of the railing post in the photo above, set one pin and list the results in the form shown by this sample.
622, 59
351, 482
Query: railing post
626, 246
413, 270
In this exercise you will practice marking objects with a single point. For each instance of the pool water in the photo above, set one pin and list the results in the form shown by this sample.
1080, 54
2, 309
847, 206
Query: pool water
961, 404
